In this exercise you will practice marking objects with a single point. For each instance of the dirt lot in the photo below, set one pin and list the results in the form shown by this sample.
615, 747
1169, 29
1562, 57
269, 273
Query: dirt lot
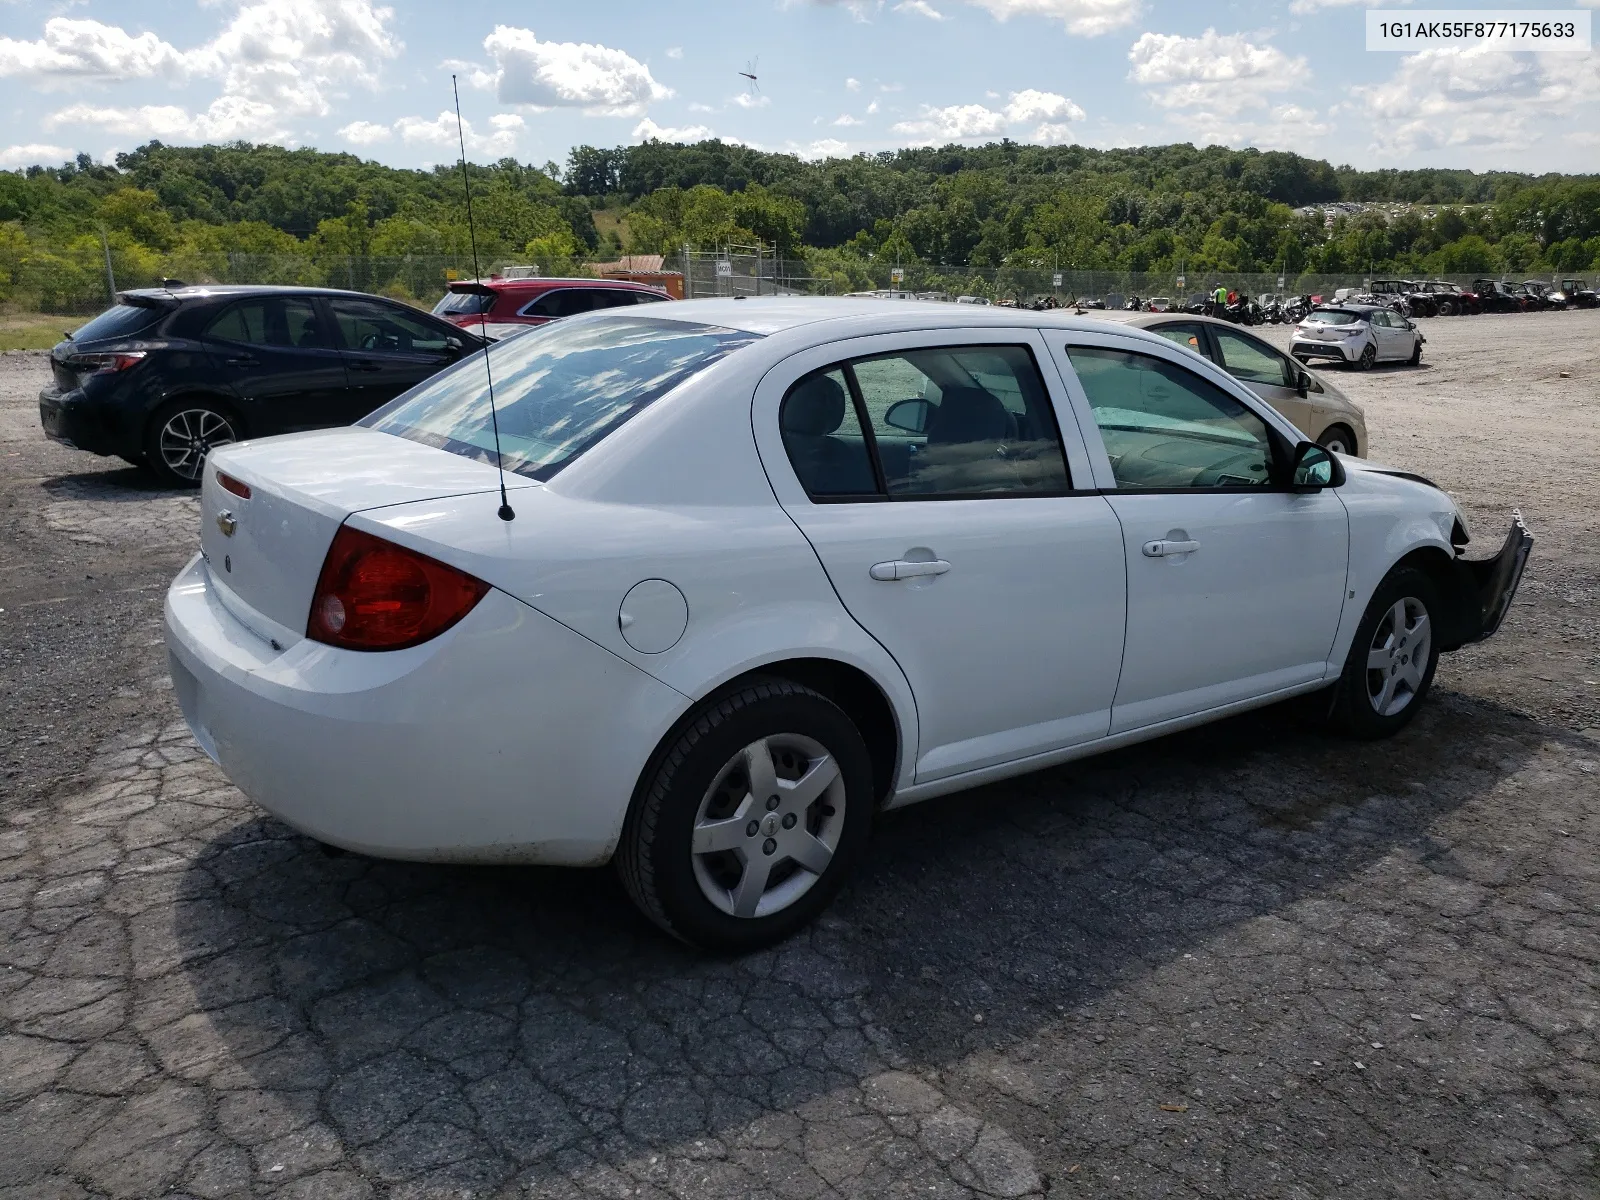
1250, 961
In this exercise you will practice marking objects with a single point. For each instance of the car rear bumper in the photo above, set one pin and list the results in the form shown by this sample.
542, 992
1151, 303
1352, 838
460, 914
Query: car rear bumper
68, 418
1484, 588
1344, 351
509, 738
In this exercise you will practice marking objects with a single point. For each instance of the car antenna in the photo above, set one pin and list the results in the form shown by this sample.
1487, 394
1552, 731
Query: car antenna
506, 513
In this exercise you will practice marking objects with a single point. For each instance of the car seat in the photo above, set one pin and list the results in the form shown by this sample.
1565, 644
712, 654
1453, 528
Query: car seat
827, 465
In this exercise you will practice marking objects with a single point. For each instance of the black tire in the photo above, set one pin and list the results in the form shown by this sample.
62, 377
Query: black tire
199, 415
1356, 707
656, 861
1416, 353
1339, 438
1368, 356
1447, 309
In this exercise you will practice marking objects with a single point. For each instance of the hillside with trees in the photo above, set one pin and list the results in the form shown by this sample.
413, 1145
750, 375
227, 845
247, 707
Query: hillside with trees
220, 212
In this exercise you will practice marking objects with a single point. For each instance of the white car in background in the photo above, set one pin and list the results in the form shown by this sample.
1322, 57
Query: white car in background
774, 566
1359, 335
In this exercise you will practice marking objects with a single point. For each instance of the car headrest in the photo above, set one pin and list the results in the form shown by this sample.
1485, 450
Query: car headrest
815, 407
968, 414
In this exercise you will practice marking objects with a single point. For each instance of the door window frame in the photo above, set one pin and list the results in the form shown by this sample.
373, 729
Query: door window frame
329, 339
1284, 436
331, 317
779, 379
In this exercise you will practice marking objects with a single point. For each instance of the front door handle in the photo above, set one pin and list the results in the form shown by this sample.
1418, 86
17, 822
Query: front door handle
1161, 548
888, 572
242, 360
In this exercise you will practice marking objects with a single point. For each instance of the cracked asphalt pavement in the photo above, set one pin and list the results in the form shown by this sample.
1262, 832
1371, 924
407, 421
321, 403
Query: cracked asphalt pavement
1250, 960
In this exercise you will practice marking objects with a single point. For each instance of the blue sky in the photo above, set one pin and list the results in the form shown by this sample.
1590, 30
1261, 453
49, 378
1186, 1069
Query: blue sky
836, 77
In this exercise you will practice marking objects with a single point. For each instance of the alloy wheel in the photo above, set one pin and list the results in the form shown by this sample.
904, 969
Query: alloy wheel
1397, 660
189, 435
768, 826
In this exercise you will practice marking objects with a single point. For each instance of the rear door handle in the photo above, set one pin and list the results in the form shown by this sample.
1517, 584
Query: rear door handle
366, 364
242, 360
888, 572
1161, 548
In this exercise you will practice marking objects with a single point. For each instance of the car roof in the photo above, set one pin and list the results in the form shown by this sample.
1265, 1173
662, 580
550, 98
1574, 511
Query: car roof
538, 283
775, 314
197, 291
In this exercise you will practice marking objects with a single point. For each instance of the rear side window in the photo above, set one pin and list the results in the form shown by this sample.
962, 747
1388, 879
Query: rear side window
456, 304
930, 423
121, 320
282, 321
558, 389
565, 302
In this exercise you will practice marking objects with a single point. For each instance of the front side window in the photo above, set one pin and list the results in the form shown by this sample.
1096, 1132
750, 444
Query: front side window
1165, 427
282, 321
558, 389
380, 329
1254, 362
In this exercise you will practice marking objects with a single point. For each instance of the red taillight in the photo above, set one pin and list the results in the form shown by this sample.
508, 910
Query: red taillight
237, 486
375, 595
108, 364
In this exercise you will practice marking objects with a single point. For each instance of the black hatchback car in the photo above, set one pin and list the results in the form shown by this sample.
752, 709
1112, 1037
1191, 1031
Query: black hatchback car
168, 373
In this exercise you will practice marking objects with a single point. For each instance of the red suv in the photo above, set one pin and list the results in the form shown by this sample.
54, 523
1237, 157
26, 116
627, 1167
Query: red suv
535, 301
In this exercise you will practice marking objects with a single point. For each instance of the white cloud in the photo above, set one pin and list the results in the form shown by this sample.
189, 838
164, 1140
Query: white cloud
33, 154
441, 131
598, 79
276, 59
826, 148
964, 122
872, 108
674, 51
749, 100
921, 8
365, 133
1031, 105
1473, 98
846, 119
647, 130
1307, 8
1219, 73
955, 123
1086, 18
696, 107
91, 50
853, 84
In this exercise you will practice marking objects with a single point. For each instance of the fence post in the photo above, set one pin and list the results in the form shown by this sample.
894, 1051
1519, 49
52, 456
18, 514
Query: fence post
111, 279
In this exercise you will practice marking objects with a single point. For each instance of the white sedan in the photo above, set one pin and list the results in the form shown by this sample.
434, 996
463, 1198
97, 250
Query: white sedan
774, 566
1359, 335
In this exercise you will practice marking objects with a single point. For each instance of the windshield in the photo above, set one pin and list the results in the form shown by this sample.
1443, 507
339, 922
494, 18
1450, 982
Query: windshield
454, 304
558, 389
1332, 316
122, 320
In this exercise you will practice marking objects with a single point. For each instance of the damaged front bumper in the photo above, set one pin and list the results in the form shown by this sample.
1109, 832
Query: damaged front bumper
1485, 588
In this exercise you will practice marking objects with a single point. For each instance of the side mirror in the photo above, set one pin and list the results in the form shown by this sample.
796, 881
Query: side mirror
1314, 469
909, 415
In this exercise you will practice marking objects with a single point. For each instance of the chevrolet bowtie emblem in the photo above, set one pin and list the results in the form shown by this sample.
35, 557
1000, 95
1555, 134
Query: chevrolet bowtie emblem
226, 523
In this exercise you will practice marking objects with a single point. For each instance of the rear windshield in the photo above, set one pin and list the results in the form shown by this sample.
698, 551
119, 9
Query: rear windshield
456, 303
122, 320
558, 389
1333, 316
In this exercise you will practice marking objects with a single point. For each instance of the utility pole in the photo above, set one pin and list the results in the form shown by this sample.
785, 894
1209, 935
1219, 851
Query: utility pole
111, 279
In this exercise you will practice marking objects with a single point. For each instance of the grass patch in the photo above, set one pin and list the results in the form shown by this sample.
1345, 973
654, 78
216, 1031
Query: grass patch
34, 331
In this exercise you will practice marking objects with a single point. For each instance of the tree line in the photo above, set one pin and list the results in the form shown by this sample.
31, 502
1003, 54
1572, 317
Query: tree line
307, 216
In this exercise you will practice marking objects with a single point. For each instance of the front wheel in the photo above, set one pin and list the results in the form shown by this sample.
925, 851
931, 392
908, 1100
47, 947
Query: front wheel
751, 820
181, 434
1391, 663
1416, 353
1339, 439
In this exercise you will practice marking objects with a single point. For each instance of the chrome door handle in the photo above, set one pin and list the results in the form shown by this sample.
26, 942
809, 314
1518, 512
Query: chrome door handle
888, 572
1161, 548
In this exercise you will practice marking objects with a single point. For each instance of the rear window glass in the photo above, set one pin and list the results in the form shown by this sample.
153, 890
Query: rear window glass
558, 389
1333, 317
121, 320
457, 303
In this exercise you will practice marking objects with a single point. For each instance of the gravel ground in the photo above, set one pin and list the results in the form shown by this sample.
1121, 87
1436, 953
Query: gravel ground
1249, 961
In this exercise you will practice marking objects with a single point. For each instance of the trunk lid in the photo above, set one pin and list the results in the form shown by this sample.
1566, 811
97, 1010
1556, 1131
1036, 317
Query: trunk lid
265, 551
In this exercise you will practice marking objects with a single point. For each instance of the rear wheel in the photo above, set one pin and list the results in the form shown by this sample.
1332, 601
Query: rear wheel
182, 433
1392, 660
1447, 308
1369, 355
751, 820
1339, 439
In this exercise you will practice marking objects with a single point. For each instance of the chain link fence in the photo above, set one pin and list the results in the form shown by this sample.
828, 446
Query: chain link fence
80, 282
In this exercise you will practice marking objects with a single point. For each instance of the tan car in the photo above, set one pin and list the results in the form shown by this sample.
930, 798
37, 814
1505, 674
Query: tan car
1316, 407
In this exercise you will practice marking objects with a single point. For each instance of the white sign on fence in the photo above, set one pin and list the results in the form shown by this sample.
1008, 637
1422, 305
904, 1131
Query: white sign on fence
897, 275
1280, 281
1182, 282
724, 269
1055, 280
